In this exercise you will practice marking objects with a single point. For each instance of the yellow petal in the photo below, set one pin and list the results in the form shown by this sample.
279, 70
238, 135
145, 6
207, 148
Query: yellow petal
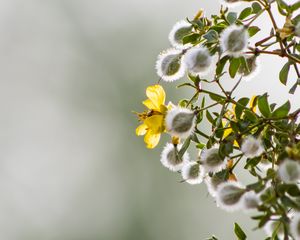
236, 144
155, 123
151, 139
226, 131
141, 130
148, 103
157, 95
253, 104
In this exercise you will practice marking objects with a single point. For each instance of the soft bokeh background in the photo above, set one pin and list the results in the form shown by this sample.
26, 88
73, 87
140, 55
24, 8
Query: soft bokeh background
71, 166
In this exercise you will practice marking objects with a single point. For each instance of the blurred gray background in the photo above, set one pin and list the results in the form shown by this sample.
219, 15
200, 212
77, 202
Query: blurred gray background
71, 166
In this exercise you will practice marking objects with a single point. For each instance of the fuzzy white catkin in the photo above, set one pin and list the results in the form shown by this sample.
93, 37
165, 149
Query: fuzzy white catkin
273, 225
212, 160
179, 30
191, 172
170, 66
170, 157
234, 40
295, 226
252, 147
229, 196
253, 68
289, 171
251, 200
198, 60
180, 122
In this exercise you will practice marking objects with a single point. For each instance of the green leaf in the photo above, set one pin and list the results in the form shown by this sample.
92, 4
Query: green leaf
211, 36
185, 146
190, 38
221, 64
231, 17
283, 75
294, 87
242, 103
253, 30
282, 111
256, 7
264, 106
250, 115
209, 117
295, 6
239, 232
234, 66
245, 13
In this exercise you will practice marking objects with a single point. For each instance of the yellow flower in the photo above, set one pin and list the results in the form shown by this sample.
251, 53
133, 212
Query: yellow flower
230, 114
154, 118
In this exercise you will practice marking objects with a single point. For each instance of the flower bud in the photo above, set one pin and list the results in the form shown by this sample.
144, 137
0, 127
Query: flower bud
198, 60
289, 171
252, 70
180, 122
295, 226
234, 40
169, 65
274, 225
252, 147
251, 200
212, 161
191, 173
229, 196
178, 32
170, 157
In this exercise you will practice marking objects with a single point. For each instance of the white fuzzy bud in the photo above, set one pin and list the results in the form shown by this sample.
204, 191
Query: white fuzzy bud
252, 70
192, 173
252, 147
273, 225
170, 157
289, 171
229, 196
234, 40
295, 226
250, 201
169, 65
212, 184
178, 32
198, 60
212, 161
180, 122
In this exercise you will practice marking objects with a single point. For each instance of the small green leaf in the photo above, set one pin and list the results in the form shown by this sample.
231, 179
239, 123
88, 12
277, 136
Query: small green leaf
282, 111
211, 36
245, 13
294, 87
209, 117
295, 6
221, 64
256, 7
242, 103
234, 66
264, 106
253, 30
190, 38
239, 232
283, 75
231, 17
185, 146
